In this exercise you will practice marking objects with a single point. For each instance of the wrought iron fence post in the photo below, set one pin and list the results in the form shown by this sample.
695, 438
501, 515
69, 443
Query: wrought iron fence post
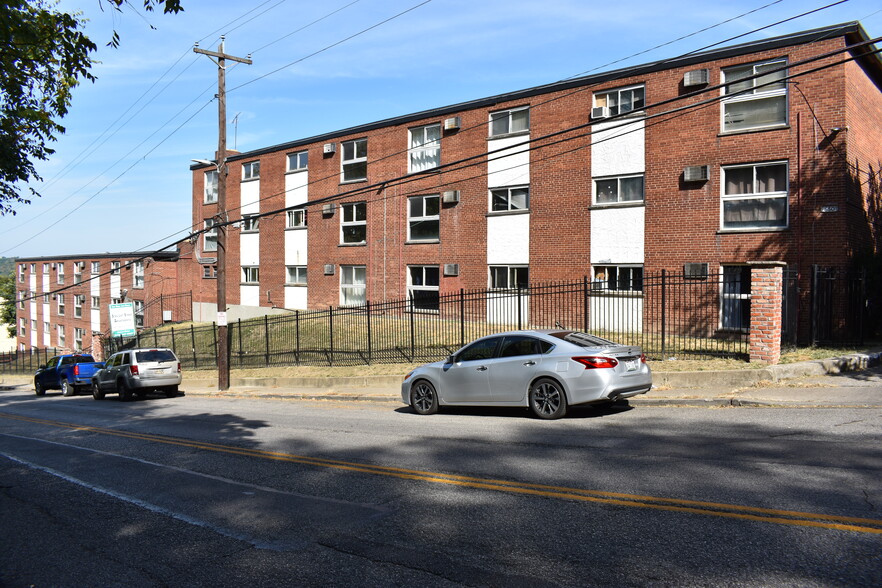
520, 318
297, 337
461, 317
412, 334
664, 292
585, 302
370, 348
266, 332
173, 340
331, 333
155, 339
193, 341
239, 327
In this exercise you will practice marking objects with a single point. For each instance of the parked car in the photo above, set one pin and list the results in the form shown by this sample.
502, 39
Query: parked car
67, 373
546, 370
138, 371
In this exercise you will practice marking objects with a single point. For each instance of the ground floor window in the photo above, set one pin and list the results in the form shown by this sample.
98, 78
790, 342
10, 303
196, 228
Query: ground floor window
250, 274
296, 275
78, 338
423, 286
735, 297
509, 276
60, 330
353, 285
139, 313
621, 278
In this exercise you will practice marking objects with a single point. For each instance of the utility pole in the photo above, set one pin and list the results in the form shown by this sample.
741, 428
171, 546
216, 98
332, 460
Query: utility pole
223, 343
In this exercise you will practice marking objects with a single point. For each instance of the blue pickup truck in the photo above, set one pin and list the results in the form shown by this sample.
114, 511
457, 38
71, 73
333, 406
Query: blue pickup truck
67, 373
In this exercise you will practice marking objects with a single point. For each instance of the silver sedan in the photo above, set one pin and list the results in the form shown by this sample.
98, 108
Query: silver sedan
546, 370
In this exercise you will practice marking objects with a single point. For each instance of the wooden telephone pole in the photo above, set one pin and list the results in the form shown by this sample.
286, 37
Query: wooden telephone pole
223, 343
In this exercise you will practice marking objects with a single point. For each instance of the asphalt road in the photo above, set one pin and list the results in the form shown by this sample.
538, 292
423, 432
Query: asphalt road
200, 491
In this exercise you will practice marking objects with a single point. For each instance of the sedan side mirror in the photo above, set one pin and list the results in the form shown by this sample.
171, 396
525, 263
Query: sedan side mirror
450, 359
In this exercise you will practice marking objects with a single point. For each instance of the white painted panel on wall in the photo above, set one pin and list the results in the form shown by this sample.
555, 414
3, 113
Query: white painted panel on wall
295, 297
250, 197
95, 319
508, 239
114, 286
249, 248
296, 247
249, 295
617, 235
511, 166
95, 286
618, 148
46, 287
296, 191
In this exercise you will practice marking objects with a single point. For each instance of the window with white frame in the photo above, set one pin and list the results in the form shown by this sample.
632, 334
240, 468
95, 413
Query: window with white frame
251, 170
21, 272
139, 313
510, 199
45, 268
298, 161
296, 219
23, 326
295, 275
754, 103
79, 300
423, 282
33, 268
506, 122
250, 274
423, 220
620, 278
353, 223
116, 300
509, 276
354, 161
21, 299
211, 186
79, 335
424, 151
138, 274
60, 332
618, 190
114, 268
78, 272
735, 297
95, 267
755, 196
210, 234
46, 327
353, 285
60, 300
33, 325
250, 223
96, 302
60, 275
45, 299
621, 100
209, 271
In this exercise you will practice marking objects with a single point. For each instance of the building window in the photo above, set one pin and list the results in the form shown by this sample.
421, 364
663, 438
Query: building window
295, 275
138, 274
211, 187
423, 223
250, 274
46, 326
755, 103
45, 299
96, 302
60, 330
21, 299
23, 326
33, 268
353, 223
45, 268
296, 219
755, 196
79, 300
60, 275
354, 160
509, 276
298, 161
251, 170
250, 223
209, 271
210, 242
116, 300
114, 268
509, 199
139, 313
60, 299
735, 297
95, 267
618, 190
353, 285
423, 287
21, 272
425, 148
79, 334
78, 272
506, 122
621, 278
622, 100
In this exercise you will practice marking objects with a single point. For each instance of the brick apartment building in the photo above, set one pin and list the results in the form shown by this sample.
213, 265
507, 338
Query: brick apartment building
767, 151
63, 302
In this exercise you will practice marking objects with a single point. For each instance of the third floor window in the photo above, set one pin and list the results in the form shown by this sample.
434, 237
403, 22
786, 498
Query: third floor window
758, 102
424, 151
354, 161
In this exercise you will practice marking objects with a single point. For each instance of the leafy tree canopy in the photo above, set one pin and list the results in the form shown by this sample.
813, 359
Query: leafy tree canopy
7, 302
44, 54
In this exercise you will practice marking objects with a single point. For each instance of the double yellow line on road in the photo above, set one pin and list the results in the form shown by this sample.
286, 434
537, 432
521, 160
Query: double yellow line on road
733, 511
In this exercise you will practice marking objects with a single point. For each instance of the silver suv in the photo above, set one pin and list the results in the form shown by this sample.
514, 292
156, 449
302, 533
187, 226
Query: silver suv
138, 371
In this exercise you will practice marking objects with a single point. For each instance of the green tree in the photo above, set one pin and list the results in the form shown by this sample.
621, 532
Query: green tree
7, 306
44, 54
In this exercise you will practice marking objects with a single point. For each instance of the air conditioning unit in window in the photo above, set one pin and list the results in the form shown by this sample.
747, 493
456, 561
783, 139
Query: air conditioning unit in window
698, 77
451, 269
450, 196
329, 148
329, 269
54, 266
695, 271
452, 123
328, 209
696, 173
600, 112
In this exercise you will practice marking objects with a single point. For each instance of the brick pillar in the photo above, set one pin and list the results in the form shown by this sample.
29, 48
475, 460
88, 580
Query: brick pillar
766, 291
97, 346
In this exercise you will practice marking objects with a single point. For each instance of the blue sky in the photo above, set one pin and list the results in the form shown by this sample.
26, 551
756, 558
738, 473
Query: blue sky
120, 179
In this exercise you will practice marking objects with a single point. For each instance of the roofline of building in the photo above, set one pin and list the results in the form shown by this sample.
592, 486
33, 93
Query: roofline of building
157, 255
853, 31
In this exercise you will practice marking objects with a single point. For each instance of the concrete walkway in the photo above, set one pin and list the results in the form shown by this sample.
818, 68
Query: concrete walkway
850, 380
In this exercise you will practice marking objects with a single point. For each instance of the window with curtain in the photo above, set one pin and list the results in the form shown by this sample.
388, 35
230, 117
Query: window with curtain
424, 151
755, 196
757, 102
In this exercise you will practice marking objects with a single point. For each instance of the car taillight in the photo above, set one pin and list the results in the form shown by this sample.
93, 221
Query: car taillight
179, 367
77, 370
642, 358
594, 362
133, 369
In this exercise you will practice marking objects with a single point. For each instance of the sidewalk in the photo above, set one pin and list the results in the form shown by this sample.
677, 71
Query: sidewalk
850, 380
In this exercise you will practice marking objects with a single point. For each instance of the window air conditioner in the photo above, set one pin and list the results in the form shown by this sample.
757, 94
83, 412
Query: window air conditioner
329, 269
452, 123
695, 271
54, 266
450, 196
329, 148
600, 112
451, 269
696, 173
328, 209
698, 77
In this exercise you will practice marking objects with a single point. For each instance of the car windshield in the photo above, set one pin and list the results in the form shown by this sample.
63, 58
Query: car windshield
582, 339
155, 355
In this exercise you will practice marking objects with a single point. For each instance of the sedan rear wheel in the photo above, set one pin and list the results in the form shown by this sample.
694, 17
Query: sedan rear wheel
547, 399
97, 392
423, 397
125, 393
